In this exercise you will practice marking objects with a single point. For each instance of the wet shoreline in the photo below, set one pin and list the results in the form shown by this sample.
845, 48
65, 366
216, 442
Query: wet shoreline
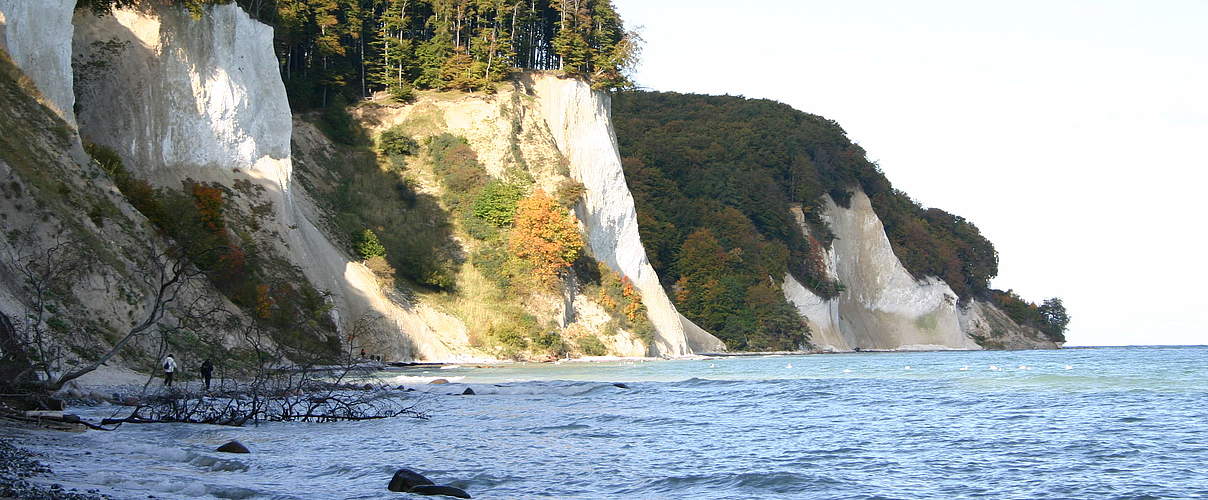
23, 476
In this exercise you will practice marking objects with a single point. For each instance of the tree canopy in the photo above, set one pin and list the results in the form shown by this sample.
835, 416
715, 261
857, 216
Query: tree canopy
353, 48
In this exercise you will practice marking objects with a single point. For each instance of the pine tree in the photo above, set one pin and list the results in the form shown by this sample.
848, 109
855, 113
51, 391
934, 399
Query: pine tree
354, 48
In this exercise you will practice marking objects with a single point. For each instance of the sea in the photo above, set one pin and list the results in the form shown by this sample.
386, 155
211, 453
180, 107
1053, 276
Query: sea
1093, 423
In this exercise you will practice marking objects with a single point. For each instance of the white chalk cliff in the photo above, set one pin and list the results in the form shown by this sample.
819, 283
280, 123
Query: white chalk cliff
580, 121
201, 98
883, 306
181, 98
37, 35
186, 97
544, 122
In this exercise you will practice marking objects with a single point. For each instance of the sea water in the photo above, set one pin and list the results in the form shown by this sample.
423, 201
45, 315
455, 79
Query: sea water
1098, 423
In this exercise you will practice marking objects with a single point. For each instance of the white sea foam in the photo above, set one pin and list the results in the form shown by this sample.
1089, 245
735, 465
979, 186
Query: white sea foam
412, 380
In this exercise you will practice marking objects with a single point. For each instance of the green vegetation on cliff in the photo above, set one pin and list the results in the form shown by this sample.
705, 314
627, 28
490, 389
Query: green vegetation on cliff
226, 244
1050, 317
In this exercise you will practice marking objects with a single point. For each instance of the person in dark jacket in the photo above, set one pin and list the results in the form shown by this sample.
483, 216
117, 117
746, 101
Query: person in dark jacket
207, 371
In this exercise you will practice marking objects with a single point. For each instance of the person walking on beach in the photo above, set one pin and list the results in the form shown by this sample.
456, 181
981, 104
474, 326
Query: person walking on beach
169, 369
207, 370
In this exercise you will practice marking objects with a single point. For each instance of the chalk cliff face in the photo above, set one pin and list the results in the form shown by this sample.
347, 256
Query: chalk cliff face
201, 99
580, 121
554, 128
183, 98
59, 206
884, 307
37, 35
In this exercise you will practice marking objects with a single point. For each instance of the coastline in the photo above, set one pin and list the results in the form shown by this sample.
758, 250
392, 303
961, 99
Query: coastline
540, 417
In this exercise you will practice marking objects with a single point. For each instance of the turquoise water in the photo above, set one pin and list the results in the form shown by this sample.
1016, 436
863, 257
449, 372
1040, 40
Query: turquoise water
1076, 423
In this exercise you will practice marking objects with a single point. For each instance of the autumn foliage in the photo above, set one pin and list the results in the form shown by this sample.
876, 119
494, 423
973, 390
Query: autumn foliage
546, 237
212, 233
209, 202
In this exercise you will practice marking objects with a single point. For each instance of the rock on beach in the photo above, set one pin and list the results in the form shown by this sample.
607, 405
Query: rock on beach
440, 490
233, 447
405, 480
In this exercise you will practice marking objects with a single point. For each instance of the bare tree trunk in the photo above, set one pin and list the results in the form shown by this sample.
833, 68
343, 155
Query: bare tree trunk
173, 274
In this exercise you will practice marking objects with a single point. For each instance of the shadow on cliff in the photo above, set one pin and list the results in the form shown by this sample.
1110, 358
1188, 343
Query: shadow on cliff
353, 193
416, 231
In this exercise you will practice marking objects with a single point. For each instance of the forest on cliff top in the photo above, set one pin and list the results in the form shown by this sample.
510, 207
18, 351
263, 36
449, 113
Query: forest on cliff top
340, 51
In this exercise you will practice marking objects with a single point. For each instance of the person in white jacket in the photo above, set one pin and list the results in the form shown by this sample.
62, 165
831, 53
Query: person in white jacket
169, 369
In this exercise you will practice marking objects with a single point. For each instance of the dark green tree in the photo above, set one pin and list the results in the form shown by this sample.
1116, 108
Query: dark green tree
1054, 319
368, 246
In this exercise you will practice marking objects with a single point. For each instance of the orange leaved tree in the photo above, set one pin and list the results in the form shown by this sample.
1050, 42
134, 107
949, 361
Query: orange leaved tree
546, 237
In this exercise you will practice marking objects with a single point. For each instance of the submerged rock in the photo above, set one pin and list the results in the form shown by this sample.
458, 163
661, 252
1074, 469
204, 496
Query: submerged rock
440, 490
406, 480
620, 385
468, 392
233, 447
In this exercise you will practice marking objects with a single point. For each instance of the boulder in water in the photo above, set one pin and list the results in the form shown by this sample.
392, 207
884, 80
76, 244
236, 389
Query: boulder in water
406, 480
233, 447
440, 490
467, 392
439, 381
620, 385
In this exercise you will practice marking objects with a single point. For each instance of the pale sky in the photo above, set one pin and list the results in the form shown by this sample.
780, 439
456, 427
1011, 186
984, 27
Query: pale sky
1074, 134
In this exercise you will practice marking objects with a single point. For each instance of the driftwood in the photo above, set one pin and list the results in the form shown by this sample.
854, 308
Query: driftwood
54, 420
306, 402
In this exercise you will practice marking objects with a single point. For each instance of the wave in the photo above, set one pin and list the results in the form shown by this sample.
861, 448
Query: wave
751, 483
215, 464
551, 428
